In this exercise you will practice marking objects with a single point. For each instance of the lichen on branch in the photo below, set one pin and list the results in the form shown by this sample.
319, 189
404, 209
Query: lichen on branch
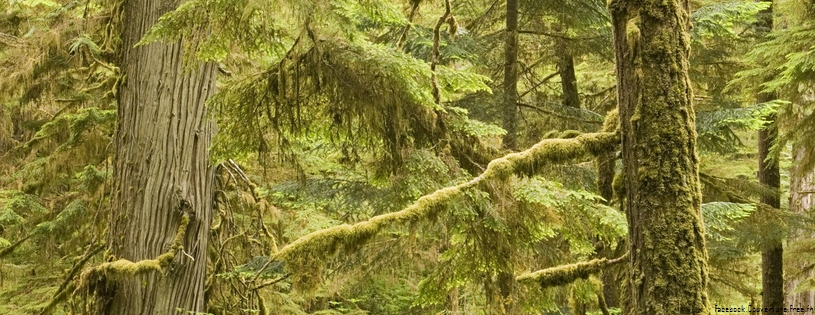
566, 274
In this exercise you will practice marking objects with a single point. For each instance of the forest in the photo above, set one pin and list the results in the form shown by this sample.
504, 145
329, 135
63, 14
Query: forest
580, 157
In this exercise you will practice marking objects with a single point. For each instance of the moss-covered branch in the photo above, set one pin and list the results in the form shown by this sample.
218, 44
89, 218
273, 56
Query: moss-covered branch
566, 274
91, 277
69, 285
124, 267
314, 247
10, 249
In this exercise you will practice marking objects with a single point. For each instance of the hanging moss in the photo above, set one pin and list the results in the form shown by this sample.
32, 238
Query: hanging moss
566, 274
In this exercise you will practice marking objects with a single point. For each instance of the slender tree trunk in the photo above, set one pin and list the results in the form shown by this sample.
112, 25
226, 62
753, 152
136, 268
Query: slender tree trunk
772, 251
668, 263
161, 170
511, 77
568, 79
507, 284
506, 280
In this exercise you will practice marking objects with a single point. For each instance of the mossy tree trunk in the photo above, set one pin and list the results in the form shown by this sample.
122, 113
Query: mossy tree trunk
668, 271
511, 77
772, 251
161, 170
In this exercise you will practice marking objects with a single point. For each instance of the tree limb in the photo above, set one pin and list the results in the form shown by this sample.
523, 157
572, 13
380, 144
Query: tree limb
315, 247
566, 274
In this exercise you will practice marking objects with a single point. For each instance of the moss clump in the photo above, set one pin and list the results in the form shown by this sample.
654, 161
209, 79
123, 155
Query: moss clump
566, 274
612, 121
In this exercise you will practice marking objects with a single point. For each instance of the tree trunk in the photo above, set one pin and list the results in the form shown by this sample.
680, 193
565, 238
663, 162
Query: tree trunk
507, 286
802, 188
568, 79
772, 251
506, 280
668, 263
161, 170
511, 77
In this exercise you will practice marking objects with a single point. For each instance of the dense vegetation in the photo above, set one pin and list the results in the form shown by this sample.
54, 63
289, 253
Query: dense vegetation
406, 157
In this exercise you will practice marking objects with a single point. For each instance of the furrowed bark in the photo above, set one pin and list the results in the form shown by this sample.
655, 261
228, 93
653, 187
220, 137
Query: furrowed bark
802, 195
161, 173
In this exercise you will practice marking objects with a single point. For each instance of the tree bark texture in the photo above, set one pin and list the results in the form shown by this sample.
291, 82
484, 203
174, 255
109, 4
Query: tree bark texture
161, 170
668, 271
511, 77
802, 197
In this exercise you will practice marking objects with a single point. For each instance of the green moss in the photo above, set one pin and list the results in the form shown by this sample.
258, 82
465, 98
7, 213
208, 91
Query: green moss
612, 121
569, 134
566, 274
123, 268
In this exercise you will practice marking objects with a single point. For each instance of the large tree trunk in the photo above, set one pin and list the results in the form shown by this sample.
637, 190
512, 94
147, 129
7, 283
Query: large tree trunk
772, 251
511, 77
802, 192
161, 170
668, 263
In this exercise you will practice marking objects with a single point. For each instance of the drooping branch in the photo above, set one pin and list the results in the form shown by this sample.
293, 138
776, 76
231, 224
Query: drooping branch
542, 81
566, 274
10, 249
436, 44
313, 248
414, 7
68, 284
